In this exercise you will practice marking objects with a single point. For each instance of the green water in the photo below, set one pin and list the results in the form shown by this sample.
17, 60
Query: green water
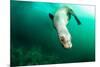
34, 40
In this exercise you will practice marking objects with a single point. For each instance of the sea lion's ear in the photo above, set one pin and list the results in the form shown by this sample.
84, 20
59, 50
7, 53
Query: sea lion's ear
51, 16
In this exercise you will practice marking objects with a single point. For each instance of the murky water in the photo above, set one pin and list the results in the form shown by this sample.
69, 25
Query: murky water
34, 40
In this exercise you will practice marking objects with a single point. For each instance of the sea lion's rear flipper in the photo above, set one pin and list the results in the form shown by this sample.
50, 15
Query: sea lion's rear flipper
73, 14
51, 16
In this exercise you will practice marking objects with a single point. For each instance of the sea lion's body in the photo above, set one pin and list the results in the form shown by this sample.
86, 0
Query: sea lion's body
60, 22
60, 19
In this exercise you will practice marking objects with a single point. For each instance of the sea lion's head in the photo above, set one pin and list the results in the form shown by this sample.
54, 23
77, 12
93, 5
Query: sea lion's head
65, 41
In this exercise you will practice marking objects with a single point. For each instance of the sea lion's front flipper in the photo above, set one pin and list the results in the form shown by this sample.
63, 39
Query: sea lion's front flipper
69, 16
73, 14
78, 21
51, 16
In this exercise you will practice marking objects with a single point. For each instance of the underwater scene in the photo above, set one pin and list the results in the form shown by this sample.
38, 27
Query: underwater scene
35, 41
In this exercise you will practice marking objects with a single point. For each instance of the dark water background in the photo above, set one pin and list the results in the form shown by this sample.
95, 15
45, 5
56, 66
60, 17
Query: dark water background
34, 40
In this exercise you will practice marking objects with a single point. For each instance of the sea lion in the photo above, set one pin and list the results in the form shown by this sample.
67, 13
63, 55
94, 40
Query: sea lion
60, 19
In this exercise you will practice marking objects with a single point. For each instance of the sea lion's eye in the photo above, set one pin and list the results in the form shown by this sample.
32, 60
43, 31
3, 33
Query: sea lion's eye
62, 38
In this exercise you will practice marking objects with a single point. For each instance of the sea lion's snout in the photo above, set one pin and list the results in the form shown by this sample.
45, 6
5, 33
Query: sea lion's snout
66, 43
